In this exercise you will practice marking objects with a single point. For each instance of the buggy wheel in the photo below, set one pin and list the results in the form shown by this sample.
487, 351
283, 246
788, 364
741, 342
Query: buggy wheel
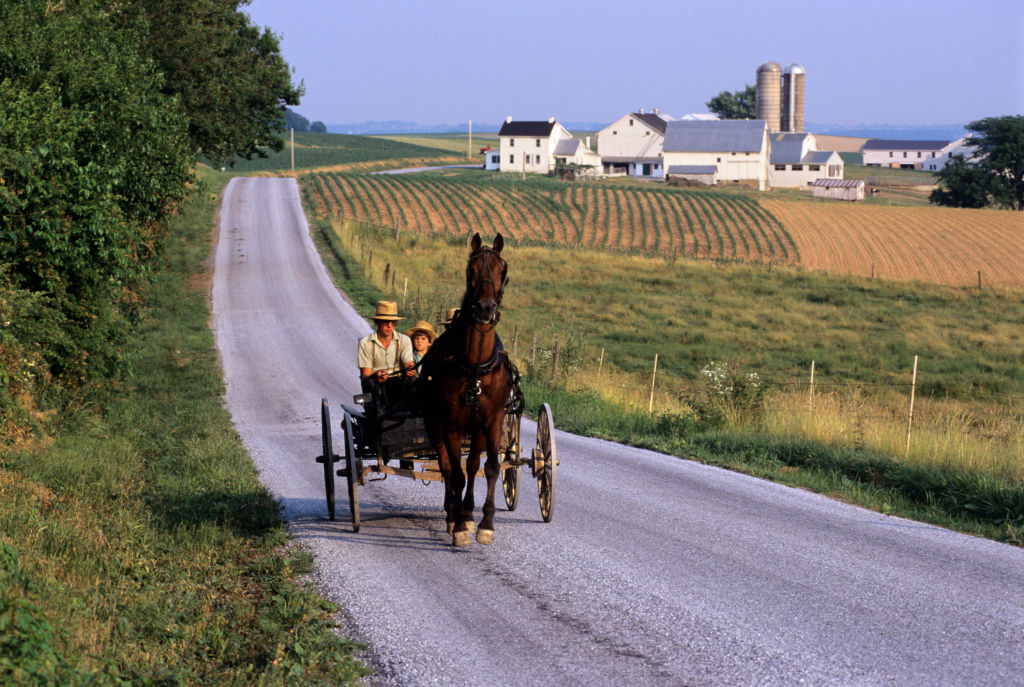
545, 461
327, 457
353, 471
513, 452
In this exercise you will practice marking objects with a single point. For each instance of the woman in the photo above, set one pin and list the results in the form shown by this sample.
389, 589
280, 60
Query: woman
422, 335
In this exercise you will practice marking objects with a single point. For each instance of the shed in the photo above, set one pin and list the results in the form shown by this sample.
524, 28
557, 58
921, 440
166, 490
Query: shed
704, 174
838, 189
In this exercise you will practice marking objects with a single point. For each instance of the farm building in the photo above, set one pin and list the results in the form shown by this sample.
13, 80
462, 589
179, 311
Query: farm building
838, 189
957, 147
574, 153
796, 162
702, 174
632, 144
903, 154
737, 148
529, 146
492, 160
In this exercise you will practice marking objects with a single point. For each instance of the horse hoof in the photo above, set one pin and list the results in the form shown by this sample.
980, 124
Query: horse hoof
470, 526
485, 537
461, 539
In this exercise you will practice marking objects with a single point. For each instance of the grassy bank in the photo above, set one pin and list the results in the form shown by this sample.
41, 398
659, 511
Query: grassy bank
137, 544
735, 343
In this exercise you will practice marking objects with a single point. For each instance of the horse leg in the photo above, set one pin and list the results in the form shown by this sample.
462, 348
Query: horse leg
445, 467
455, 514
472, 465
492, 468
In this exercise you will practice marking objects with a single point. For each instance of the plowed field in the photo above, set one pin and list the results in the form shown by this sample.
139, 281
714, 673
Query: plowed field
939, 245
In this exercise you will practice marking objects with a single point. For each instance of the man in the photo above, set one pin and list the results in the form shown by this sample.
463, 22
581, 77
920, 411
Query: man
384, 352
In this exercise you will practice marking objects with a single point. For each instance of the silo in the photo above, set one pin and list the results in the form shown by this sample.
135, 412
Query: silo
768, 97
793, 98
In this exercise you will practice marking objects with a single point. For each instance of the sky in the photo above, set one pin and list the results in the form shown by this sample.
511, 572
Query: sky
892, 62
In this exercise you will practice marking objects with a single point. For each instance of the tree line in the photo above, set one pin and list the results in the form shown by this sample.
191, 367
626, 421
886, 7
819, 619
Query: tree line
104, 110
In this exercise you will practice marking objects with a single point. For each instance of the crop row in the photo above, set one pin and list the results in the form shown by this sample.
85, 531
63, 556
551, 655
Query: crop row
649, 220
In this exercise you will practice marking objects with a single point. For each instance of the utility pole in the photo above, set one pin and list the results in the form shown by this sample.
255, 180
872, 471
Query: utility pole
292, 148
469, 146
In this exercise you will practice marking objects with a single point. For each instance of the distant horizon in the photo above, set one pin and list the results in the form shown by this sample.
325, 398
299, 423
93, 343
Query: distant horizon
948, 132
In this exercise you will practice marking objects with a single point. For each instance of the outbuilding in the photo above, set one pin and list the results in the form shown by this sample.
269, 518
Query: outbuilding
838, 189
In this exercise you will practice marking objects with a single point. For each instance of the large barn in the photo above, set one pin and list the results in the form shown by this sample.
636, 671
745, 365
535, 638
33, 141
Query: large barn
737, 148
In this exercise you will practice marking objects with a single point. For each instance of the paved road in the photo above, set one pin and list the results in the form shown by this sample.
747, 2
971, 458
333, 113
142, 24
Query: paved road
655, 571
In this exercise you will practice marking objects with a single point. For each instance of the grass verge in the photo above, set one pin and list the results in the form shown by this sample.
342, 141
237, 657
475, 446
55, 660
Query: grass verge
139, 545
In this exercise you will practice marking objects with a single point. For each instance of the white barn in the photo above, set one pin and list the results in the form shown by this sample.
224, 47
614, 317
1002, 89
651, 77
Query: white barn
796, 161
633, 144
880, 152
738, 149
529, 146
572, 152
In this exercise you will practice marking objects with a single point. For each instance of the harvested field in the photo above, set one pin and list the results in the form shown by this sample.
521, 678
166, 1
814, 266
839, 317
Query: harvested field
938, 245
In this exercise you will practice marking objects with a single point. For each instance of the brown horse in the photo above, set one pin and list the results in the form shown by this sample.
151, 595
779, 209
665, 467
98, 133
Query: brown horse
466, 383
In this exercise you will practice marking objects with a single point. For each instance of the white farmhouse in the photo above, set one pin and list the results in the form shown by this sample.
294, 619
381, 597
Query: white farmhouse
529, 146
737, 148
880, 152
632, 144
957, 147
796, 162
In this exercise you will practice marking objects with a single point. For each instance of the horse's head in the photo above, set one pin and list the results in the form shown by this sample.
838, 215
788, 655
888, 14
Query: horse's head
486, 277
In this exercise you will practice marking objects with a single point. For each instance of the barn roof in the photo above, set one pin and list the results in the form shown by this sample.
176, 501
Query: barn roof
725, 135
652, 120
527, 128
787, 148
890, 144
838, 183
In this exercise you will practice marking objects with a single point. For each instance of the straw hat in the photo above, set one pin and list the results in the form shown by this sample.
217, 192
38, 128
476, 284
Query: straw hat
387, 310
450, 315
422, 326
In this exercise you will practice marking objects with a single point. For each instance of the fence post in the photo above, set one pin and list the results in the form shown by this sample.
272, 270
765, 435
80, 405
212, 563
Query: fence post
554, 364
910, 418
812, 386
515, 344
654, 375
979, 280
600, 363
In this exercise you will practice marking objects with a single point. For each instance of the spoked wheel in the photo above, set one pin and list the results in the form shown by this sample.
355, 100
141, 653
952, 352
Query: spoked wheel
353, 471
545, 461
513, 452
327, 457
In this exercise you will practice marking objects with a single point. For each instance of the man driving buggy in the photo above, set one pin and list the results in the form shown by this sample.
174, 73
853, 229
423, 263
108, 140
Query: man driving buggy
385, 352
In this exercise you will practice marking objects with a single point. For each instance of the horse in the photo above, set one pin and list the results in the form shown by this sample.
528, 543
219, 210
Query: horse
468, 379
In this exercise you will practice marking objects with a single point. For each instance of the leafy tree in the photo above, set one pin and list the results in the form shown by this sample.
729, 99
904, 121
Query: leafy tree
318, 127
995, 174
228, 76
962, 185
736, 105
293, 120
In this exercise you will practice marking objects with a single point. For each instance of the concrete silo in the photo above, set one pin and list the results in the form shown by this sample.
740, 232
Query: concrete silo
768, 94
793, 98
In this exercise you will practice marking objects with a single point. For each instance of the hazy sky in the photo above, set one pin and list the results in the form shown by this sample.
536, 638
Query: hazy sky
433, 62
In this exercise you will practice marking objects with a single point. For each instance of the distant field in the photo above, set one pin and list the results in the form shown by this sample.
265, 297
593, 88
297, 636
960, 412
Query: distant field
939, 245
453, 143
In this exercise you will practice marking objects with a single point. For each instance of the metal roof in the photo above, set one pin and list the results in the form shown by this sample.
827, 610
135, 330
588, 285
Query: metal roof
818, 156
567, 146
838, 183
787, 148
724, 135
889, 144
527, 128
652, 120
692, 169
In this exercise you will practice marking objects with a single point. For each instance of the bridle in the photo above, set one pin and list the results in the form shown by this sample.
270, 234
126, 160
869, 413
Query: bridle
485, 253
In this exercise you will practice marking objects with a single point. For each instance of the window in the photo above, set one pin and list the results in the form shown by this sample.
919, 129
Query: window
538, 143
719, 159
798, 168
904, 153
933, 153
511, 159
814, 168
890, 153
647, 133
511, 143
538, 159
614, 133
780, 168
919, 153
631, 122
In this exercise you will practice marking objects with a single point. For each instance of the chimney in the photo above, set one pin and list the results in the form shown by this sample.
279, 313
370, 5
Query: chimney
588, 142
656, 111
551, 120
508, 120
641, 110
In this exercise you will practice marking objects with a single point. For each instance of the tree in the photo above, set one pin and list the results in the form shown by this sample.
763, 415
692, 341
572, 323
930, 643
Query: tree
228, 76
995, 170
962, 185
318, 127
737, 105
293, 120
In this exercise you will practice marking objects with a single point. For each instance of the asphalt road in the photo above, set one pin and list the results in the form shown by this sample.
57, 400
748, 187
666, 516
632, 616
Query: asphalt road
655, 570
